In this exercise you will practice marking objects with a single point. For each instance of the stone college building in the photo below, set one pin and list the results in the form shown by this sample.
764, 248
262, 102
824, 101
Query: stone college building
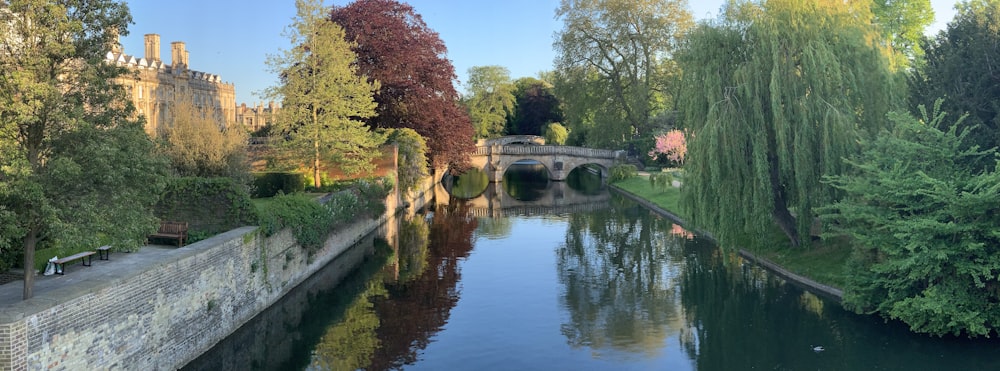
157, 86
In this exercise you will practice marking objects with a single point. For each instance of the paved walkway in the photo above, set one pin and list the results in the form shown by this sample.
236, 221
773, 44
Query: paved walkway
79, 279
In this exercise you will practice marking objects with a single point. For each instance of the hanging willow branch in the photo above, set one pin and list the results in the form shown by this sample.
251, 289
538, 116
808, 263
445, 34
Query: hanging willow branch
775, 96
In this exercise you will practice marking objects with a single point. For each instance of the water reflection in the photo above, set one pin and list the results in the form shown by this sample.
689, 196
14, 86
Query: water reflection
416, 309
613, 287
470, 184
620, 269
526, 181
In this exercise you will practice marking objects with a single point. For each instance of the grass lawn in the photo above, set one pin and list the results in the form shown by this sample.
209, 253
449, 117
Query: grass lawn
639, 185
824, 262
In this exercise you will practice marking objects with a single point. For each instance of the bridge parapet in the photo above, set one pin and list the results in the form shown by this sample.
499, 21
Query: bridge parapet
559, 150
512, 139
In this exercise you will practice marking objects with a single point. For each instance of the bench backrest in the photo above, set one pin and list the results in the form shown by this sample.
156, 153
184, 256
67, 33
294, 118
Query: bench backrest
173, 227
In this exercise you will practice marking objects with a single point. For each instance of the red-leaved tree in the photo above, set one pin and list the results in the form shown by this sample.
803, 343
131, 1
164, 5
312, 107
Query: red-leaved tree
395, 47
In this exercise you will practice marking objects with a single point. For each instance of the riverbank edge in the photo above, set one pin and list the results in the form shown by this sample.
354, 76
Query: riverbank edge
168, 312
826, 291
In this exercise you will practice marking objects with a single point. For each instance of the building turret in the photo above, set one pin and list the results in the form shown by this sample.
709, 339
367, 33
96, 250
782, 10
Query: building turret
178, 56
152, 47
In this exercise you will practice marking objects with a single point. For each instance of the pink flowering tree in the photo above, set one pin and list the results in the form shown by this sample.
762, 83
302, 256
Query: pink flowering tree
670, 146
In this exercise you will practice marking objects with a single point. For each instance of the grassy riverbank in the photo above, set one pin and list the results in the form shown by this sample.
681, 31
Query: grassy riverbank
823, 263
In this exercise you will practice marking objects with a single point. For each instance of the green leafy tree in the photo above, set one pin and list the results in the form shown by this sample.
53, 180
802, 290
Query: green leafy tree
774, 95
556, 134
199, 145
491, 100
927, 245
75, 170
323, 98
903, 23
962, 65
536, 106
615, 66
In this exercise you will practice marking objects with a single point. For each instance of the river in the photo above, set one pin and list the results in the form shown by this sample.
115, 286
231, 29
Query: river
539, 275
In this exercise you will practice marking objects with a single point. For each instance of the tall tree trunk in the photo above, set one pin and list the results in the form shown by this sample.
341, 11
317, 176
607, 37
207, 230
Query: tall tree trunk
30, 241
316, 181
780, 213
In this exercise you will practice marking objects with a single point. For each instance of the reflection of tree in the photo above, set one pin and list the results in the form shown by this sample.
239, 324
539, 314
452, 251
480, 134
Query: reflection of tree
495, 228
417, 309
585, 182
618, 267
740, 318
350, 343
284, 336
414, 239
470, 184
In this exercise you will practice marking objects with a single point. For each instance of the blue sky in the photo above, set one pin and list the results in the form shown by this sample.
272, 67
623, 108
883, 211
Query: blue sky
232, 38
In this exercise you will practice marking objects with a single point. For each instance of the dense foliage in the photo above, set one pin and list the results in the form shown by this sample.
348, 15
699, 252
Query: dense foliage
774, 95
411, 164
490, 101
323, 97
555, 134
536, 106
927, 241
312, 221
622, 172
396, 48
614, 66
209, 205
271, 183
199, 144
74, 165
902, 23
962, 65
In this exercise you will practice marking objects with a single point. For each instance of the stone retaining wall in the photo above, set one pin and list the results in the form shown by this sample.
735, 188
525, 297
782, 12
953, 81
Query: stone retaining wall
168, 313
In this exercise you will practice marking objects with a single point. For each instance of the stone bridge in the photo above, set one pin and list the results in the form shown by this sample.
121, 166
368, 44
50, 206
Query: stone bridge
494, 156
558, 198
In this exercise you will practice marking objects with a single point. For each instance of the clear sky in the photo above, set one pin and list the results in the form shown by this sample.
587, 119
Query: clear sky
232, 38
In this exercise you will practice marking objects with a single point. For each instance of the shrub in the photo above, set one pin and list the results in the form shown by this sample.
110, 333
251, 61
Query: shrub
269, 184
924, 220
199, 144
412, 162
312, 221
209, 205
622, 172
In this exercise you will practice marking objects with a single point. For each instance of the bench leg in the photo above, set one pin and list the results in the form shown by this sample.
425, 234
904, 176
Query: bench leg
59, 269
86, 261
103, 254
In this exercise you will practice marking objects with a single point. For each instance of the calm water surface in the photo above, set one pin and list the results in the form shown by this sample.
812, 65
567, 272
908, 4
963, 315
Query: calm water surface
561, 276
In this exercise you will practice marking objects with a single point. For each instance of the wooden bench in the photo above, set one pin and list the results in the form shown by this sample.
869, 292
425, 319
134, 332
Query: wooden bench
104, 252
61, 263
172, 231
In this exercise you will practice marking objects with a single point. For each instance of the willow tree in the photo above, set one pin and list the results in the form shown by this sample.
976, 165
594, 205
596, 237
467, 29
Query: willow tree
323, 98
774, 96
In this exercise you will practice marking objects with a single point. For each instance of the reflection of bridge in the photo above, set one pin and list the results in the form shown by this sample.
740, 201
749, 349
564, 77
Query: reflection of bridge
494, 156
558, 198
